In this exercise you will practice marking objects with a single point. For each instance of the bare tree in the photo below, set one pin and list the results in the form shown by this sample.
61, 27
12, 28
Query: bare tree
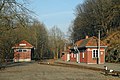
56, 40
40, 38
13, 14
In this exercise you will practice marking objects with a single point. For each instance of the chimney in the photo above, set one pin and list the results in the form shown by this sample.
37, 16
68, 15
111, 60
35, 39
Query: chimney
86, 37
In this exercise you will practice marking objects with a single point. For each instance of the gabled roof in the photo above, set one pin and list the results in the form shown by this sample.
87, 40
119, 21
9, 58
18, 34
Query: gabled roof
89, 42
23, 44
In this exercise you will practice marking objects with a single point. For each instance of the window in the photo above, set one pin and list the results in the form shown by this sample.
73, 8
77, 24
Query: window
24, 50
95, 53
20, 50
63, 53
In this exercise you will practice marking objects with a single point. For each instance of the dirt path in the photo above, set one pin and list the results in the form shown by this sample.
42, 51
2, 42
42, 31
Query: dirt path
35, 71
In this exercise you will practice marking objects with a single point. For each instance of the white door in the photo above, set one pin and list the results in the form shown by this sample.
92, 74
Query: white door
78, 57
68, 57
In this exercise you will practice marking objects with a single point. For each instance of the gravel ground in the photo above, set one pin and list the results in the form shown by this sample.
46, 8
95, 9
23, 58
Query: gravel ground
113, 66
35, 71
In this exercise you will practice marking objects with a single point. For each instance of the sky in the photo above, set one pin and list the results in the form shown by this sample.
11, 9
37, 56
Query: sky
58, 13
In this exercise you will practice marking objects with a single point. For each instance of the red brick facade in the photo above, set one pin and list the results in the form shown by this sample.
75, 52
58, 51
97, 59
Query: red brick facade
88, 51
22, 51
88, 56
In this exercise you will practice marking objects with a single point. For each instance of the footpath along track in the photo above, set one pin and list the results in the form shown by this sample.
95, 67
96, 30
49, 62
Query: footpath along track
62, 64
71, 66
74, 66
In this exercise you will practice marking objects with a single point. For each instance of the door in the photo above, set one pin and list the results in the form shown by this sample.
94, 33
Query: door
68, 57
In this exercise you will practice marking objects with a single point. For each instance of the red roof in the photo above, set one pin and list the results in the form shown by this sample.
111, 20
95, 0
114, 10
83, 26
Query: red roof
23, 44
92, 41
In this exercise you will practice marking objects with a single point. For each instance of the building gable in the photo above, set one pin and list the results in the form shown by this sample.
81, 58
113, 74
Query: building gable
23, 44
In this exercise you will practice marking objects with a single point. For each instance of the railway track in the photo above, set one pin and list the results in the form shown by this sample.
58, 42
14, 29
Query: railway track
71, 66
75, 66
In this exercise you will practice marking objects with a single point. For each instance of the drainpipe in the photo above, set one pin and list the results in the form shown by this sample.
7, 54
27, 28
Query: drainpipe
99, 46
78, 55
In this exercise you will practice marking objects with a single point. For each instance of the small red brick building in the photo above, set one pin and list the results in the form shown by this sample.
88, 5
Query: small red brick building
87, 51
23, 51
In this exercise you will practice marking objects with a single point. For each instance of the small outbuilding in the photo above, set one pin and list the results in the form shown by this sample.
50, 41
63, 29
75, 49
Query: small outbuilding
23, 51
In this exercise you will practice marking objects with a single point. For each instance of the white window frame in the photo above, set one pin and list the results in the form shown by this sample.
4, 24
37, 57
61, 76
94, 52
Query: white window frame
22, 50
95, 53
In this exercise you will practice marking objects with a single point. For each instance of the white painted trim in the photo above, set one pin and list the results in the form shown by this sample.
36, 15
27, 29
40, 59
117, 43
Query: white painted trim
22, 60
22, 44
94, 63
77, 57
68, 57
91, 63
93, 48
83, 54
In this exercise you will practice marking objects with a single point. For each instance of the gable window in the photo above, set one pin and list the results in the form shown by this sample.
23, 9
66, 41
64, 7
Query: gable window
95, 53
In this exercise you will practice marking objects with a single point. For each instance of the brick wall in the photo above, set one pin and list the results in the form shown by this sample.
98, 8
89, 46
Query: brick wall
22, 56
